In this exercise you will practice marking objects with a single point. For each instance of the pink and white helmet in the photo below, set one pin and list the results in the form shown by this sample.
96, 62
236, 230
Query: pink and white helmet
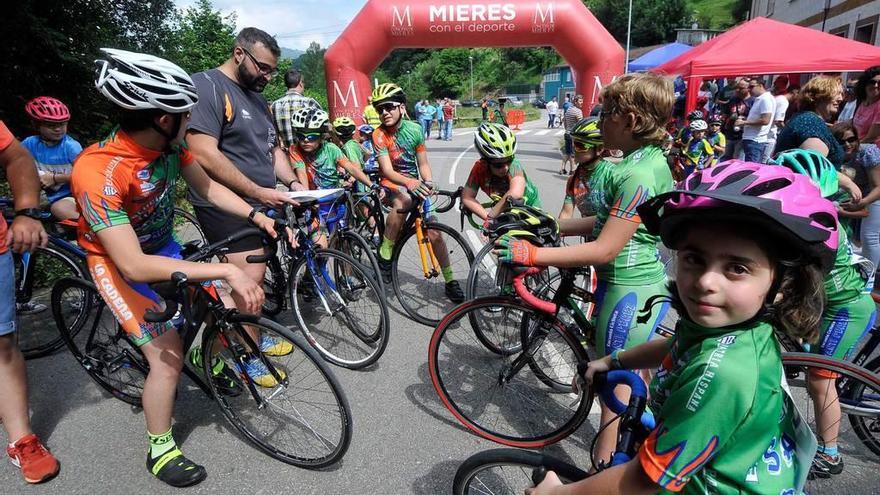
781, 202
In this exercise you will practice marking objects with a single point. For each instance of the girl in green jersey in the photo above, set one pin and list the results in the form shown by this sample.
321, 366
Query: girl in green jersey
752, 244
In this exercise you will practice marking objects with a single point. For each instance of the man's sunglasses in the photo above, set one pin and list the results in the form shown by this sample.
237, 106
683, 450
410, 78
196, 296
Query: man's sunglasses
387, 107
266, 70
310, 137
849, 140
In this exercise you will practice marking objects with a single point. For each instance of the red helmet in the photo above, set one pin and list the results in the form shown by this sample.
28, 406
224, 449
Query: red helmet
47, 109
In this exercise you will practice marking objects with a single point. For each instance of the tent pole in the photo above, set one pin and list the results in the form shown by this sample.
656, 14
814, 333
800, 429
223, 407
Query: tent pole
628, 33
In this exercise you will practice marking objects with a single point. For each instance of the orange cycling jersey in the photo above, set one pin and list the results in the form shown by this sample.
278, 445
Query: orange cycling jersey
117, 181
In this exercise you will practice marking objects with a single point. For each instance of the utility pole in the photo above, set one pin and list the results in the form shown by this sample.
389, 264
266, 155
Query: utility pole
471, 60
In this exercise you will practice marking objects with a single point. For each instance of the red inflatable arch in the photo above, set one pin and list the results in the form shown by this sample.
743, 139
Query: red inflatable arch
383, 25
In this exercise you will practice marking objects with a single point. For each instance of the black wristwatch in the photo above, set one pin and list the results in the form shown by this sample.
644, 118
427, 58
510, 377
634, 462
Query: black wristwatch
253, 213
35, 213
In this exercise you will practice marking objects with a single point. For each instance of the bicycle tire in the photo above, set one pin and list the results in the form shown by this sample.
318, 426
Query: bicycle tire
37, 335
98, 343
424, 300
187, 228
867, 428
519, 412
354, 245
264, 425
472, 477
858, 391
347, 321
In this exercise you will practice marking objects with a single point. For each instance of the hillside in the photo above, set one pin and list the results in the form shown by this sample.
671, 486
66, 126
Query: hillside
290, 53
719, 13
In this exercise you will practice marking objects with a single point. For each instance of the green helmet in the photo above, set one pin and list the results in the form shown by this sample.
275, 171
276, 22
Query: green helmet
526, 222
812, 164
344, 126
386, 92
587, 131
495, 141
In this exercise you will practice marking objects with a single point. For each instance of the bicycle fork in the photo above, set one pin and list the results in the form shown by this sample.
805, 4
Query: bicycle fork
426, 252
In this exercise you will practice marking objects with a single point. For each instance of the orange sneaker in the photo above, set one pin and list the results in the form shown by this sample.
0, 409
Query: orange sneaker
36, 462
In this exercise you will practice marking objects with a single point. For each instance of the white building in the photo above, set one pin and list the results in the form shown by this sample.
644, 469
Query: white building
853, 19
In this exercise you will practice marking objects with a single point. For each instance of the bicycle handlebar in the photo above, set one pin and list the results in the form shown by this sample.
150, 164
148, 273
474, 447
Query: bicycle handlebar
523, 292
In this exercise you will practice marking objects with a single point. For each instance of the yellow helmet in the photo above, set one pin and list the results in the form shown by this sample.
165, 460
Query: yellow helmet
388, 92
344, 126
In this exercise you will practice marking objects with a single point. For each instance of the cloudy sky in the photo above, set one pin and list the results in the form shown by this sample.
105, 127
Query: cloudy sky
295, 23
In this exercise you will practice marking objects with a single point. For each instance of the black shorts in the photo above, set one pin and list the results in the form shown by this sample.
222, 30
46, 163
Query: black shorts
569, 144
217, 225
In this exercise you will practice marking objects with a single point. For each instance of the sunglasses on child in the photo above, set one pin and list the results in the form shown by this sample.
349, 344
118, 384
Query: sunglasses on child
500, 163
849, 140
580, 146
310, 137
387, 107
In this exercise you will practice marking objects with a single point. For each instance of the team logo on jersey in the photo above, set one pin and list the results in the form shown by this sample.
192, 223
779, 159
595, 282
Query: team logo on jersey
147, 186
143, 174
727, 340
109, 190
245, 114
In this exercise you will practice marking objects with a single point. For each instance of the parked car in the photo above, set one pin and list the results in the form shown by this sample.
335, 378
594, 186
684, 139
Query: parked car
513, 101
539, 103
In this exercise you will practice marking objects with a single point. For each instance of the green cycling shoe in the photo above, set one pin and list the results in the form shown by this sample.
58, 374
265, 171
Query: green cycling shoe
224, 378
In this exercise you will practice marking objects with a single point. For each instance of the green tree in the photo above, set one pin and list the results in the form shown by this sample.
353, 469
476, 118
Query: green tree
202, 37
653, 21
144, 26
311, 64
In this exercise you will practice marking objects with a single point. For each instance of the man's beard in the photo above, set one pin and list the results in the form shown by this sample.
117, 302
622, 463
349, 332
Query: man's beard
254, 83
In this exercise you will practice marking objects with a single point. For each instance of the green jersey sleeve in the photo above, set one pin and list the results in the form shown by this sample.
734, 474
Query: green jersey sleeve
353, 152
703, 404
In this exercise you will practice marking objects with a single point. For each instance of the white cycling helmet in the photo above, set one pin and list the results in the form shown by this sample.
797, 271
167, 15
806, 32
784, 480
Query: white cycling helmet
138, 81
698, 125
309, 119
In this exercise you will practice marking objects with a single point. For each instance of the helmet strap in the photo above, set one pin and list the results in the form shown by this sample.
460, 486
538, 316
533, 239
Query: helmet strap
175, 129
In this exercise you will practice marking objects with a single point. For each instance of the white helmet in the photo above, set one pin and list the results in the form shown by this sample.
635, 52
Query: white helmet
138, 81
698, 125
309, 119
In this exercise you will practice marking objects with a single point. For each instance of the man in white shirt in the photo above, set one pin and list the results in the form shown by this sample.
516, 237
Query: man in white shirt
778, 119
757, 125
849, 108
552, 108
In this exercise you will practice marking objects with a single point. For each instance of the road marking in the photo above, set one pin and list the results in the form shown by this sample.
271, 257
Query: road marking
524, 131
541, 133
455, 165
477, 245
559, 133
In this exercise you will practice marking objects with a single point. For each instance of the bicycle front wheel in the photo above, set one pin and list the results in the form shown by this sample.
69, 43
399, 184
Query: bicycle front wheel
339, 308
187, 228
301, 418
38, 334
352, 244
96, 340
497, 395
867, 426
508, 472
424, 297
825, 390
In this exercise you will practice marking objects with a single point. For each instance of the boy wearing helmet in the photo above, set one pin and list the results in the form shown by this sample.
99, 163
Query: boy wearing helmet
343, 128
697, 152
498, 173
124, 186
54, 152
715, 137
403, 163
587, 145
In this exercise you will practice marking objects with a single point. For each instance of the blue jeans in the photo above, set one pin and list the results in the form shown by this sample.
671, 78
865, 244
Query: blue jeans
7, 293
870, 234
447, 129
753, 150
426, 127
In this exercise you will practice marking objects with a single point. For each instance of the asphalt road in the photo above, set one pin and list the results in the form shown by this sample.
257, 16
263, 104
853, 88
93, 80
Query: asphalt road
404, 440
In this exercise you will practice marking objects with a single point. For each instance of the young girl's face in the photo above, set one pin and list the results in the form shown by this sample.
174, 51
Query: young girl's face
722, 278
699, 134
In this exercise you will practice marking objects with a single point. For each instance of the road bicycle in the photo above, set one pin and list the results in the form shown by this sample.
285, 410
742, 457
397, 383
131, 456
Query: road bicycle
416, 264
303, 419
335, 300
511, 471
